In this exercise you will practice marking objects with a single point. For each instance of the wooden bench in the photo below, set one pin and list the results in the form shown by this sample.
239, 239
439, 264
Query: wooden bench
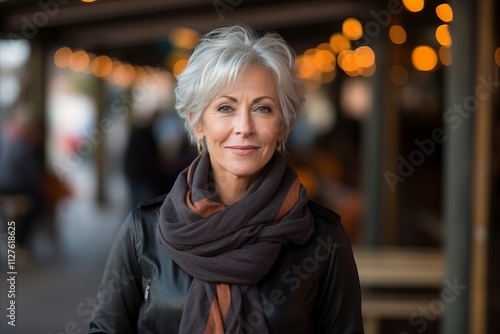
385, 270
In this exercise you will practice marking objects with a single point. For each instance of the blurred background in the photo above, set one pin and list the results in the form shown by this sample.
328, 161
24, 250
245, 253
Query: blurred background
400, 135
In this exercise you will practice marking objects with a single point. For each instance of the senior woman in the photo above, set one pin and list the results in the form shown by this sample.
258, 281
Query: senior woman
236, 246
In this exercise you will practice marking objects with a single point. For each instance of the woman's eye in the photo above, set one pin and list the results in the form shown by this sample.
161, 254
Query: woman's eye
263, 109
224, 109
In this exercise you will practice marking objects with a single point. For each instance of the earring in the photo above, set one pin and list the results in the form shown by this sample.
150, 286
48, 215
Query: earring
281, 148
199, 146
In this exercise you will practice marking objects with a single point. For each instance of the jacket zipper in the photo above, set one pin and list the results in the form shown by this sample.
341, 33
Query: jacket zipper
146, 293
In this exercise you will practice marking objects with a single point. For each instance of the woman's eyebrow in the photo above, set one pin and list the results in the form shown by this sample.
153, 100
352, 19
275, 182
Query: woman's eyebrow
257, 99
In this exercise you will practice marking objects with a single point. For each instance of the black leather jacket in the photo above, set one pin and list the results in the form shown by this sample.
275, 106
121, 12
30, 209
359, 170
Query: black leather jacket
312, 288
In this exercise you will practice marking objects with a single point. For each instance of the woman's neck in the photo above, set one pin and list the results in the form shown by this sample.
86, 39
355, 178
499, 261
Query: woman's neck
231, 191
231, 188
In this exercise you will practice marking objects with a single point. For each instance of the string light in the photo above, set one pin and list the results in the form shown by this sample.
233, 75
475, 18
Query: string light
424, 58
443, 35
414, 5
397, 34
179, 66
184, 38
80, 61
352, 29
445, 12
445, 55
120, 74
62, 57
102, 66
339, 43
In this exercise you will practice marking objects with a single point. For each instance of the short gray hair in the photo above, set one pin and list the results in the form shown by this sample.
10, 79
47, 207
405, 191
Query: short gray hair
223, 54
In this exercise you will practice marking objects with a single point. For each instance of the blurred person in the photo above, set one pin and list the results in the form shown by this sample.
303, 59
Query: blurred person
337, 189
142, 162
20, 172
235, 246
176, 151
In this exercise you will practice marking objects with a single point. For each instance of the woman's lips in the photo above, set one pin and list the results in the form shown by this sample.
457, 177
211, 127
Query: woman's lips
242, 150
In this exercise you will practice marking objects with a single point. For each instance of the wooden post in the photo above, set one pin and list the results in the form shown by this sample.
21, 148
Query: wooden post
459, 108
482, 168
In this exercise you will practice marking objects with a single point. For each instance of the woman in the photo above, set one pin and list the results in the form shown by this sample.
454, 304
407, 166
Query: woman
235, 247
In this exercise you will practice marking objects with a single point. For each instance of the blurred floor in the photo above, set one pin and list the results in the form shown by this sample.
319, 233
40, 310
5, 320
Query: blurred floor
56, 285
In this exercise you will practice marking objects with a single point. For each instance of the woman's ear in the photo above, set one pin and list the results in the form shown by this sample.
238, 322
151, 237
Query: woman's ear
197, 128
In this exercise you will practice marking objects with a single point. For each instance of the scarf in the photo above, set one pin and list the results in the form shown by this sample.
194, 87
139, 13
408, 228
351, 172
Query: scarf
229, 249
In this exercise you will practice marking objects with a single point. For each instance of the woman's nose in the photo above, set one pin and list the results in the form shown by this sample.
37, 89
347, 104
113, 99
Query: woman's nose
243, 123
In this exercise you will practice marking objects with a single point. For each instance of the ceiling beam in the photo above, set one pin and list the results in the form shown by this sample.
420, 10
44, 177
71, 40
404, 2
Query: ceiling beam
93, 27
66, 12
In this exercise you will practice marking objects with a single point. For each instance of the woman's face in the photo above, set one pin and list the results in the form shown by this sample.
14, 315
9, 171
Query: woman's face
242, 126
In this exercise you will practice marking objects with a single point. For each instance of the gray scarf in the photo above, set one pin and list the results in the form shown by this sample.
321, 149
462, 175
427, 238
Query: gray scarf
229, 249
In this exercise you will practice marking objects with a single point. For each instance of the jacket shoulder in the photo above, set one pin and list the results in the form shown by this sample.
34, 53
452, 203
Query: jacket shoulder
320, 211
153, 203
145, 215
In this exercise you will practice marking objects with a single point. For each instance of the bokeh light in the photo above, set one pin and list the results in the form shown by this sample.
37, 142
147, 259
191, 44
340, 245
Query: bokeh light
80, 61
366, 56
324, 60
399, 75
179, 66
184, 38
305, 66
339, 43
369, 71
350, 62
397, 34
443, 35
445, 55
62, 57
424, 58
102, 66
327, 77
352, 29
414, 5
445, 12
123, 74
